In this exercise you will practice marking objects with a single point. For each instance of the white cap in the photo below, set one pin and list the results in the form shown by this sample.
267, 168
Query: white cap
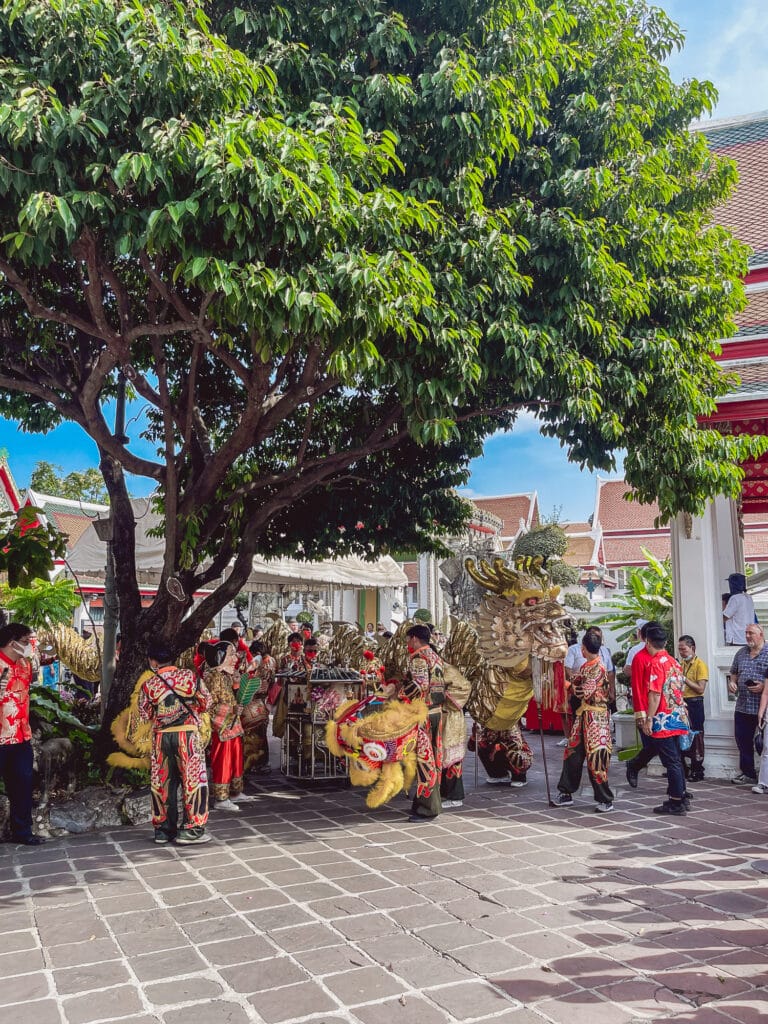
639, 623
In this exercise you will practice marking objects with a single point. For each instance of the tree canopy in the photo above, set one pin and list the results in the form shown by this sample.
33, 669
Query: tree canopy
332, 247
79, 485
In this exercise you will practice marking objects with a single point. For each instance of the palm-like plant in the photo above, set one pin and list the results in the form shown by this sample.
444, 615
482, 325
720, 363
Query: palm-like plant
648, 596
43, 604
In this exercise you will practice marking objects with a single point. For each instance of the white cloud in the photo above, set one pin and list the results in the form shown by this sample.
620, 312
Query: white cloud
728, 45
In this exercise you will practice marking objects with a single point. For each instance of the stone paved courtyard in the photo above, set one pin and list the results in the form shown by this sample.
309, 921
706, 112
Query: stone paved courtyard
310, 908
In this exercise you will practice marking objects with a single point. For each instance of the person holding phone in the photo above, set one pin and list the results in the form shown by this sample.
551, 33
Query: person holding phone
746, 681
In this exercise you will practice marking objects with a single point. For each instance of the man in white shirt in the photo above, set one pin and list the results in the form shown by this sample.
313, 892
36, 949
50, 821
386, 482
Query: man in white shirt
739, 612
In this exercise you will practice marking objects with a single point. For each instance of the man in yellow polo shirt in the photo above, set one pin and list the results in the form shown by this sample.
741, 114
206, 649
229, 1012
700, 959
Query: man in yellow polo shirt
696, 678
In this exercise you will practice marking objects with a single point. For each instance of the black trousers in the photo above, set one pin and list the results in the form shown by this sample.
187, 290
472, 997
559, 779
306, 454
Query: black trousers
695, 753
744, 733
570, 776
16, 772
430, 805
668, 749
645, 756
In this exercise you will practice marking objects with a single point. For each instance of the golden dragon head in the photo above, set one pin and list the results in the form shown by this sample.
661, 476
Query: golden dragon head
526, 583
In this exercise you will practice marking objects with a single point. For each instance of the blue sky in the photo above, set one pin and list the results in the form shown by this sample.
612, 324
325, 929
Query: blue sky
726, 43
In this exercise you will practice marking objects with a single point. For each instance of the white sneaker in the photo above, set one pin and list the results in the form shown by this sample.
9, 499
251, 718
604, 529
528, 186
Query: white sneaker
452, 803
495, 782
760, 788
243, 798
518, 783
563, 742
603, 808
226, 805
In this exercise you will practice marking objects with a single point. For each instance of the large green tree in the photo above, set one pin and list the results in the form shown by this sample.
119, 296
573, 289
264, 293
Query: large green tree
79, 485
331, 247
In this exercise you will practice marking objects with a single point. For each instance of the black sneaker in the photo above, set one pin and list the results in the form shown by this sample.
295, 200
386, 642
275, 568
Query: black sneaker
563, 800
669, 807
687, 798
162, 838
192, 837
28, 840
632, 775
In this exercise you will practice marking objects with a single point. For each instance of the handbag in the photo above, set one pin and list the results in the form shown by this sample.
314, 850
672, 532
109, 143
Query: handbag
759, 741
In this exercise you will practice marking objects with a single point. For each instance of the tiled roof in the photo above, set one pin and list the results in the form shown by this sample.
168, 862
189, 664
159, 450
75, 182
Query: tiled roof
580, 551
511, 508
745, 140
753, 376
622, 551
52, 503
753, 319
617, 515
411, 570
73, 526
576, 527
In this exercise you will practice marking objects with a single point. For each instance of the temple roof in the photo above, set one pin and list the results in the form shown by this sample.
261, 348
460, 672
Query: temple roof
745, 140
511, 509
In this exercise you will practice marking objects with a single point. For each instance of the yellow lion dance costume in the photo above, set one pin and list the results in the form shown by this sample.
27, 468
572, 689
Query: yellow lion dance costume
378, 737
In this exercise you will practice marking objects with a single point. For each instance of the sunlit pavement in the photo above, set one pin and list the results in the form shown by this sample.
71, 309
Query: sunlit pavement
308, 907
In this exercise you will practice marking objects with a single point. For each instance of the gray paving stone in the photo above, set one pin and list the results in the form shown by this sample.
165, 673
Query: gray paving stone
22, 988
425, 973
363, 985
212, 1011
166, 964
72, 954
305, 936
407, 1010
113, 1002
151, 941
41, 1011
237, 950
272, 918
331, 960
469, 999
14, 941
182, 990
263, 975
86, 977
293, 1001
218, 929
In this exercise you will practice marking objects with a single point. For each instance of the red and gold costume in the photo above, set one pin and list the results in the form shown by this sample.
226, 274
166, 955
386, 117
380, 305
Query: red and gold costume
590, 737
15, 743
433, 784
174, 700
227, 736
14, 703
255, 720
503, 753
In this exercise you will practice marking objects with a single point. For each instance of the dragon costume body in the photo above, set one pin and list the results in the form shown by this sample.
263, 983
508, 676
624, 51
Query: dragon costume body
518, 637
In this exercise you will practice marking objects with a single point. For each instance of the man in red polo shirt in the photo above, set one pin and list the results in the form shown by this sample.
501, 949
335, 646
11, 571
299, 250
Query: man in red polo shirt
662, 723
15, 734
640, 662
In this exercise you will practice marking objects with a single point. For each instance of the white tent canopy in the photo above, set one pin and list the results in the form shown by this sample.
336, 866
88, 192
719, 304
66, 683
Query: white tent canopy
89, 555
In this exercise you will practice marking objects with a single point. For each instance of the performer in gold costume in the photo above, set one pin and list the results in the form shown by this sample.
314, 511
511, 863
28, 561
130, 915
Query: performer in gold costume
520, 637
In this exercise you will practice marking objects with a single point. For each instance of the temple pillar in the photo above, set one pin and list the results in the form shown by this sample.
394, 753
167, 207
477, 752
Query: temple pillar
705, 550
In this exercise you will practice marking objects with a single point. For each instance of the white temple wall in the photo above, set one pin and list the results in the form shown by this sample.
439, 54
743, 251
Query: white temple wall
705, 550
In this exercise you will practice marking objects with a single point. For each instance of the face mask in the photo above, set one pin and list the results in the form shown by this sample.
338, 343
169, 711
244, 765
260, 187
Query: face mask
23, 650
